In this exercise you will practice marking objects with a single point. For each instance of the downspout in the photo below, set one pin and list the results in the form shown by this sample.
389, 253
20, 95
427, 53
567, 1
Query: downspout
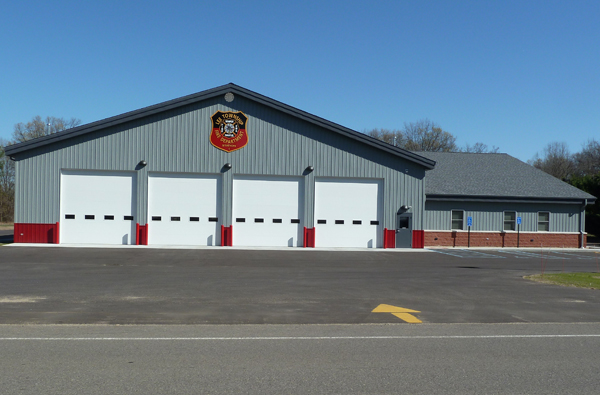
581, 222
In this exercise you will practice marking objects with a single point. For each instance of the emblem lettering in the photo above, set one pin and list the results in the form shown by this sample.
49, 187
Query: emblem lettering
229, 131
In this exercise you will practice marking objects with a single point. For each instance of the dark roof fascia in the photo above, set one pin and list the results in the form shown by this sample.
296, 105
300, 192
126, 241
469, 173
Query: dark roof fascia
112, 121
507, 199
207, 94
361, 137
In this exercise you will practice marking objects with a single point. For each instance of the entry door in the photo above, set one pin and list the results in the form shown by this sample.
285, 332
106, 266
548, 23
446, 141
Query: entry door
184, 209
267, 211
404, 230
348, 213
97, 207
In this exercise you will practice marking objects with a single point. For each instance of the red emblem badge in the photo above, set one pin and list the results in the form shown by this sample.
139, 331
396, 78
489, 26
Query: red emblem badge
229, 130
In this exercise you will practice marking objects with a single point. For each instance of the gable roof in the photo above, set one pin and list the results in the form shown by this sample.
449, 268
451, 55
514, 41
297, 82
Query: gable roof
468, 176
207, 94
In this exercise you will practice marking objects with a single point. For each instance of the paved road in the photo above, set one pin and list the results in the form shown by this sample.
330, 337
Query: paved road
222, 286
308, 359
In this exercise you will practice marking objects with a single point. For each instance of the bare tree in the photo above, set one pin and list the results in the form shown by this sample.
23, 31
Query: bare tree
7, 186
393, 137
39, 127
35, 128
587, 161
425, 135
480, 148
556, 160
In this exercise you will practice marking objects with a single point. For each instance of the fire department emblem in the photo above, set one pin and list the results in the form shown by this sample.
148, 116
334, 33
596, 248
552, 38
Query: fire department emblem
229, 130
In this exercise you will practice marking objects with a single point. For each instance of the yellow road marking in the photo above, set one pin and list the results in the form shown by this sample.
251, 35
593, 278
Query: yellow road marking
399, 312
388, 308
411, 319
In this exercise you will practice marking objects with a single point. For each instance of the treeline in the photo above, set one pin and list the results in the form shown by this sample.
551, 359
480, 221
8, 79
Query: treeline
425, 135
37, 127
7, 186
580, 169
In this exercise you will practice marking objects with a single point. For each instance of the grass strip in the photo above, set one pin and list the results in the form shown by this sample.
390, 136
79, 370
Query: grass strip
580, 280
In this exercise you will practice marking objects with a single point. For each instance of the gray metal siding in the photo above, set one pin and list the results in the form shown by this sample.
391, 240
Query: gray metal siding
178, 141
489, 216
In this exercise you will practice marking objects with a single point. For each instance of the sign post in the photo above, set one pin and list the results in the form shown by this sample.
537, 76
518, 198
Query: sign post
518, 230
469, 224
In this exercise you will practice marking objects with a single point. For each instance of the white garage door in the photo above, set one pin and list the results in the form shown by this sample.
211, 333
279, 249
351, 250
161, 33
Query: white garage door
97, 207
267, 211
348, 213
184, 209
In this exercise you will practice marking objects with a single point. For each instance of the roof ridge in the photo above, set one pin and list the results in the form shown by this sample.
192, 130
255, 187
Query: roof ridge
207, 94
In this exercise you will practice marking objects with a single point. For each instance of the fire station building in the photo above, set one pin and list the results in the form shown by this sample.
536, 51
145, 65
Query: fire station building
231, 167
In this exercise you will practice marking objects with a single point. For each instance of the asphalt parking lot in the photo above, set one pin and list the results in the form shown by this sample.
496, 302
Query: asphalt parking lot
42, 285
6, 236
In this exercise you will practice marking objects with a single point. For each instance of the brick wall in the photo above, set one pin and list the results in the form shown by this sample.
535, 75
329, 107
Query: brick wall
496, 239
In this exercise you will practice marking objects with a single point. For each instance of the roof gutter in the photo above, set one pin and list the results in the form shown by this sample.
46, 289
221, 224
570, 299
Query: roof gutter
499, 199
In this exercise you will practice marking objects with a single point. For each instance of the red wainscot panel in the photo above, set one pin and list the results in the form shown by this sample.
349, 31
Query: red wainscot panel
309, 237
36, 233
389, 238
141, 232
226, 235
418, 239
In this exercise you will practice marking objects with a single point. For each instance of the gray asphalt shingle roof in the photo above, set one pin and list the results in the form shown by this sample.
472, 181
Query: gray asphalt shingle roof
493, 176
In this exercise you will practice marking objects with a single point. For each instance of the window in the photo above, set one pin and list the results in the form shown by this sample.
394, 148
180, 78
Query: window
404, 223
544, 222
510, 219
457, 219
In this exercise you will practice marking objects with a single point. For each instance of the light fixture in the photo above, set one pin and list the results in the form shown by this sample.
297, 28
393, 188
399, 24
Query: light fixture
227, 165
310, 168
143, 163
405, 207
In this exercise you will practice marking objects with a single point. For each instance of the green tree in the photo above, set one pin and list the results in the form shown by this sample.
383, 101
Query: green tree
591, 185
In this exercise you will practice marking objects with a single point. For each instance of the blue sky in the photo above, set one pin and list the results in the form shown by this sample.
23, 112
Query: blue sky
512, 74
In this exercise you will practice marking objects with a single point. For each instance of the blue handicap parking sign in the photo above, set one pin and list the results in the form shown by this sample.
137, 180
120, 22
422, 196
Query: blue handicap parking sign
518, 220
469, 221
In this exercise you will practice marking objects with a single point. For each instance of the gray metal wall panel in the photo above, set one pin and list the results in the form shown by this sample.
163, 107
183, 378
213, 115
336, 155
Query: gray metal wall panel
489, 216
178, 141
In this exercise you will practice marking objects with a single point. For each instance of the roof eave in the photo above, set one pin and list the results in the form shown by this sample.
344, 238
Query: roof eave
510, 199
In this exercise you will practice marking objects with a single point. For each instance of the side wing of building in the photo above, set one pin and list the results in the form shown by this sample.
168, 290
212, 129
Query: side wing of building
495, 200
